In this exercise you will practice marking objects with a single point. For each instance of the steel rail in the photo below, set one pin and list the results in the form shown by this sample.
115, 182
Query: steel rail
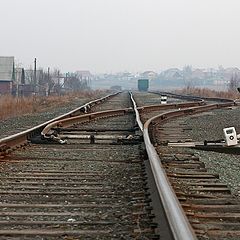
83, 118
46, 132
190, 110
195, 98
177, 219
178, 222
159, 107
21, 138
170, 106
136, 112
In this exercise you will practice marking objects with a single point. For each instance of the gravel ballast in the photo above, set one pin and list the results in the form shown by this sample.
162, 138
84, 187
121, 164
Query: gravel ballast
209, 126
18, 124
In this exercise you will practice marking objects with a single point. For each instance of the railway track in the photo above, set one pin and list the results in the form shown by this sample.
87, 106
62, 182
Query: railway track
100, 184
82, 189
209, 204
211, 208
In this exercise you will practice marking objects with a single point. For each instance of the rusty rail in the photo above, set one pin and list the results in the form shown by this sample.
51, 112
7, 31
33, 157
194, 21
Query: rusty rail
21, 138
161, 107
195, 98
81, 119
170, 106
191, 110
90, 191
178, 221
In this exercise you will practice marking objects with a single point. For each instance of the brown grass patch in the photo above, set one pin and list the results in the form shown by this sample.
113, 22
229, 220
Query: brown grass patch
11, 106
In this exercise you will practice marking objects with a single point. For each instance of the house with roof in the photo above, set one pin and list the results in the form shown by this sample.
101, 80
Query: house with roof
172, 74
151, 75
7, 74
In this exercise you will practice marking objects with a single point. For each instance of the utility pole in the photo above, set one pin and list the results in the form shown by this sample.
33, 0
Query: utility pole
35, 75
48, 74
58, 77
14, 76
17, 86
65, 81
48, 79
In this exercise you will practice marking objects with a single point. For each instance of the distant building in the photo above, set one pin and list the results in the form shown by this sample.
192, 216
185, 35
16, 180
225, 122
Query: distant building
7, 74
151, 75
172, 73
84, 75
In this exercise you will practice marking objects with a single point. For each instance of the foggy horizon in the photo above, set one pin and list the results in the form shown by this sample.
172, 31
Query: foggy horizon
120, 35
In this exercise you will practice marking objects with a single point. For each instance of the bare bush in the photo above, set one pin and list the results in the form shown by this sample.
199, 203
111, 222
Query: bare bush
234, 83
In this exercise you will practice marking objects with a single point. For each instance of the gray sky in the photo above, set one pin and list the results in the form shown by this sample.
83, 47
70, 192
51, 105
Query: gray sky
119, 35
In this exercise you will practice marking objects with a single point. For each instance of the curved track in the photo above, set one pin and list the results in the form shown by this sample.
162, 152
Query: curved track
90, 189
209, 205
101, 184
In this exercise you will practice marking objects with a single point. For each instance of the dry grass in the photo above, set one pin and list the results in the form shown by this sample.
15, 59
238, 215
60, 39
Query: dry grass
11, 106
205, 92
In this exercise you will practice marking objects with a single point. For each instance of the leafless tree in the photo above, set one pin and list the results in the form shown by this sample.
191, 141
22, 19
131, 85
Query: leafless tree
74, 82
234, 82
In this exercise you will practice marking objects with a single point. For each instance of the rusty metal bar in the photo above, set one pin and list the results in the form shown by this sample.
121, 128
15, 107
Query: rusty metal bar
195, 98
22, 137
83, 118
170, 106
192, 110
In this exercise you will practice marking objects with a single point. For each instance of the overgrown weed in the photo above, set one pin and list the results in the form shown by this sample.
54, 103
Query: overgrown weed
12, 106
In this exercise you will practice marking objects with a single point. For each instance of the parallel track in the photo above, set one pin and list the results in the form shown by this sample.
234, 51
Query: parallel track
79, 190
100, 185
209, 205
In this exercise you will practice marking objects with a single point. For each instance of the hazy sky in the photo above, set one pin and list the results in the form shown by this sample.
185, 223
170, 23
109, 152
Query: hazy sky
119, 35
